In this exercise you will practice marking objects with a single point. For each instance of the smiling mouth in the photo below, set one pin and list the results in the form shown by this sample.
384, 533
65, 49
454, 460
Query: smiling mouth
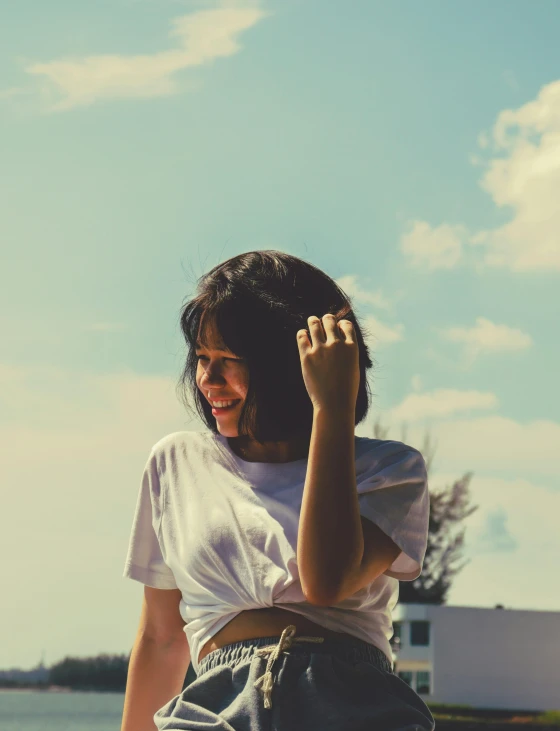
220, 409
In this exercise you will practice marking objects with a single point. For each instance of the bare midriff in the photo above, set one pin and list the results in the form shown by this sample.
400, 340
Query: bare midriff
266, 622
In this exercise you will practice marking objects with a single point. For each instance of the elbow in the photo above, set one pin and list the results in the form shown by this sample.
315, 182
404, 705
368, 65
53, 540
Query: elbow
320, 601
325, 598
330, 593
331, 596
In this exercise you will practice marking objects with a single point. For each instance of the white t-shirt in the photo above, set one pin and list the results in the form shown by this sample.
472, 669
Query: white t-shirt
224, 531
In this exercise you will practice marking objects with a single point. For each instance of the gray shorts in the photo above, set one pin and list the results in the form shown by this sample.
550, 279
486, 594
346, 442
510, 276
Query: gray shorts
296, 683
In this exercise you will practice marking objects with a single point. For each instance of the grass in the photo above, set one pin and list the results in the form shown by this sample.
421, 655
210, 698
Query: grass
450, 712
551, 717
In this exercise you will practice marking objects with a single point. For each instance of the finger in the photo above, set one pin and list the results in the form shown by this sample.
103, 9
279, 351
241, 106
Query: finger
347, 328
303, 341
316, 329
331, 327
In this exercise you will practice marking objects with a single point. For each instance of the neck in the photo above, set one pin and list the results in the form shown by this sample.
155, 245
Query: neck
251, 450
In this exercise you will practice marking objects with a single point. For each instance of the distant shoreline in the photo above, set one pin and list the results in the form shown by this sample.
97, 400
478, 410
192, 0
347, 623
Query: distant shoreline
55, 689
31, 689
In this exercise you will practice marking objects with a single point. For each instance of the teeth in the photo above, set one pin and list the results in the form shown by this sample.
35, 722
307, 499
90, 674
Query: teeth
222, 404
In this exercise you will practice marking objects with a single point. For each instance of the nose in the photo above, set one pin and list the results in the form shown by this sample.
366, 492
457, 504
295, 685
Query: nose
209, 383
211, 380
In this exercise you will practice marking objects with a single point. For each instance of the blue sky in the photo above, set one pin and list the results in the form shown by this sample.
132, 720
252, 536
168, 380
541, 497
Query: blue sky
410, 150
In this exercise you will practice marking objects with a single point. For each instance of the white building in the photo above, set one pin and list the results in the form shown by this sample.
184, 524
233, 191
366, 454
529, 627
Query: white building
485, 658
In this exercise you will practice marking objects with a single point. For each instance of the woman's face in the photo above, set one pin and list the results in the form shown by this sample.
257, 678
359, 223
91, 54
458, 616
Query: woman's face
225, 377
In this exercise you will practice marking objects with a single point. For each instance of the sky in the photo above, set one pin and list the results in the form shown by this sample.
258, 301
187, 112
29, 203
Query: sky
410, 150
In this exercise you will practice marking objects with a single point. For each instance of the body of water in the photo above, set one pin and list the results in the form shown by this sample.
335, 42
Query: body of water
31, 710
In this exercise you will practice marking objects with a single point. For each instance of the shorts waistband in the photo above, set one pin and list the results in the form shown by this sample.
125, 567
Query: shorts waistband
346, 648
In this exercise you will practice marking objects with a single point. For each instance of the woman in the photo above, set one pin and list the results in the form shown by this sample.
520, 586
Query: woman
271, 544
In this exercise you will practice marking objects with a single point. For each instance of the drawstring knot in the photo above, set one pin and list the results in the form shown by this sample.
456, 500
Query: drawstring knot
266, 682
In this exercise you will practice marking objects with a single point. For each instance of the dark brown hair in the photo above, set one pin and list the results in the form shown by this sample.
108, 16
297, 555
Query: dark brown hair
258, 301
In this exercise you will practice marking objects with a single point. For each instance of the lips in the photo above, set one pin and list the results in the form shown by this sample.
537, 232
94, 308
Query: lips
217, 411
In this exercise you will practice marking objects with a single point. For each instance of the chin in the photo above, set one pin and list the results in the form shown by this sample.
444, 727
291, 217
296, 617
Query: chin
228, 430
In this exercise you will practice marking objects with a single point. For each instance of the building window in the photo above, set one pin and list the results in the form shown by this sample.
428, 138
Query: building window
406, 675
423, 682
419, 633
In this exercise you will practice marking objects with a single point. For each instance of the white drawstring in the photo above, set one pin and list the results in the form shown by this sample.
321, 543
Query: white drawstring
265, 682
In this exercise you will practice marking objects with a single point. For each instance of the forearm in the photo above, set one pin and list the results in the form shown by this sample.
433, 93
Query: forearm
330, 536
156, 674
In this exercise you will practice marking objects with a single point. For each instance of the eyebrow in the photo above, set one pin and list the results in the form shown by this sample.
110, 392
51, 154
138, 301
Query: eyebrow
200, 346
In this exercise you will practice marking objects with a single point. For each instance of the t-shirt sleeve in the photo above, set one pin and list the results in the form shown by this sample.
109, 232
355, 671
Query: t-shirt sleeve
393, 494
144, 561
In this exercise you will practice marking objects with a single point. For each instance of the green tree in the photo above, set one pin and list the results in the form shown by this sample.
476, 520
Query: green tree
104, 672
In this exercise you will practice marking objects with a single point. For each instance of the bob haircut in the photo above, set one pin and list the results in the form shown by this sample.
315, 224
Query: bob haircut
257, 301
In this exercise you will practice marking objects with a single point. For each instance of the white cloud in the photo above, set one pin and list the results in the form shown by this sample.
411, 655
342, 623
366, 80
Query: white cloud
201, 37
514, 533
349, 283
514, 536
492, 445
523, 175
439, 403
487, 337
433, 247
377, 332
483, 140
14, 91
381, 334
526, 179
